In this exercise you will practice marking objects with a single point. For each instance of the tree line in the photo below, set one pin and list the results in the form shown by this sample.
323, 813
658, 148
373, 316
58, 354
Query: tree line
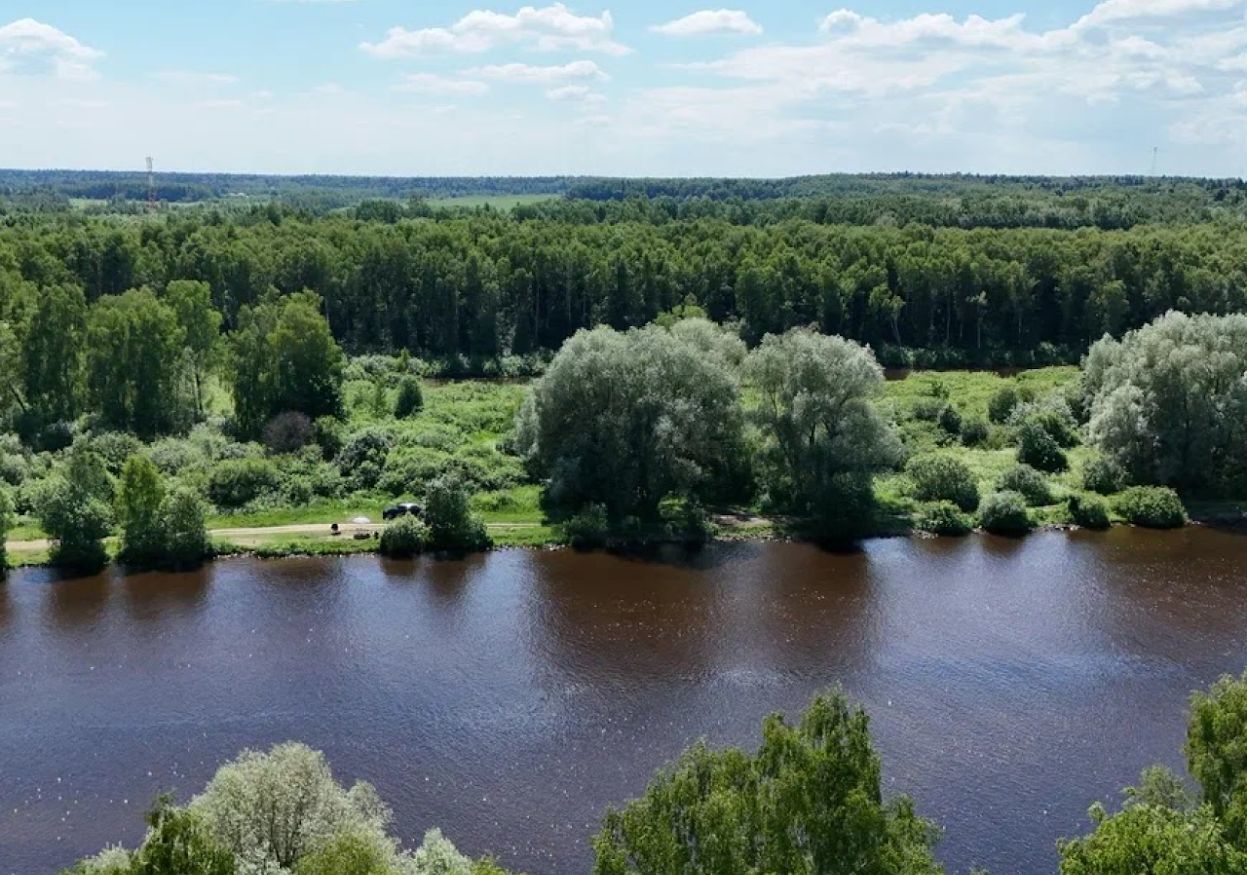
470, 288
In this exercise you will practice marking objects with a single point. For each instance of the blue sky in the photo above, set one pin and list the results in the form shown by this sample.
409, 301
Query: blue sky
432, 87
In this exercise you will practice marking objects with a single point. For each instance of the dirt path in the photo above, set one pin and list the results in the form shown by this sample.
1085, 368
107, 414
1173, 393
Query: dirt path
255, 535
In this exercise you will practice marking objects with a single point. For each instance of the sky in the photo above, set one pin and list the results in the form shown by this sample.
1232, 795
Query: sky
636, 88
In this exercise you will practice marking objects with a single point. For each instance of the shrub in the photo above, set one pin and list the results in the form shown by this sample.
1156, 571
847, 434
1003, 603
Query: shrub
115, 448
950, 420
1059, 424
330, 436
287, 432
447, 511
1039, 449
410, 398
1029, 483
588, 529
974, 431
1153, 507
941, 477
7, 518
363, 457
75, 510
139, 496
1088, 511
1103, 475
944, 518
928, 409
237, 482
404, 538
184, 532
1004, 513
1000, 406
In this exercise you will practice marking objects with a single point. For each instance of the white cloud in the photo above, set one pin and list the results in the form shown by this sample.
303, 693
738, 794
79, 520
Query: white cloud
28, 46
549, 28
530, 73
1114, 11
575, 93
193, 78
710, 21
430, 83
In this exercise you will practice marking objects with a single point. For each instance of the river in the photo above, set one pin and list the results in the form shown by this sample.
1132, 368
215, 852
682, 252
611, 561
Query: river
511, 697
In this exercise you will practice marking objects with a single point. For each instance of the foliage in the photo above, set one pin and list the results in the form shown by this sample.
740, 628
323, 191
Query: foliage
974, 431
950, 420
178, 844
1153, 507
1004, 513
7, 520
588, 529
944, 518
404, 538
1088, 511
944, 477
1029, 483
823, 438
1103, 475
140, 495
288, 431
183, 528
349, 854
52, 345
1003, 403
666, 420
410, 399
809, 801
75, 511
236, 482
1038, 449
448, 514
1169, 402
1216, 752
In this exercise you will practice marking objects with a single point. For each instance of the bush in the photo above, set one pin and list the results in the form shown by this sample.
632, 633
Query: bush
944, 518
941, 477
330, 436
183, 530
1088, 511
363, 457
7, 518
974, 431
234, 483
447, 511
1059, 424
75, 510
1153, 507
1004, 513
404, 538
115, 448
1103, 475
410, 398
1039, 449
588, 529
288, 432
950, 420
1000, 406
139, 496
1029, 483
928, 409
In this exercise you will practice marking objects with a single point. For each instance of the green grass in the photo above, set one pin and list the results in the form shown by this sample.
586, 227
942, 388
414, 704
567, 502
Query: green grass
504, 202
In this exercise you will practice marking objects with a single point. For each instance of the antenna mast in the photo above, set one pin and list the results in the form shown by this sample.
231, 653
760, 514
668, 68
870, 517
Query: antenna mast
151, 185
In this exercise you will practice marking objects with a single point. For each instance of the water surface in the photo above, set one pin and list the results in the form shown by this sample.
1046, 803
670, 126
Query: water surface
510, 698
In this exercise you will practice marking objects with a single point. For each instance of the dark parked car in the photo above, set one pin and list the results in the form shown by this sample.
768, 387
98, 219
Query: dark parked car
407, 508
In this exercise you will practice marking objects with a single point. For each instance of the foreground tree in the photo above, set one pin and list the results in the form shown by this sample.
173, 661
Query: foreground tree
7, 519
1216, 752
201, 323
823, 438
52, 353
809, 801
1168, 402
140, 492
626, 420
285, 358
75, 511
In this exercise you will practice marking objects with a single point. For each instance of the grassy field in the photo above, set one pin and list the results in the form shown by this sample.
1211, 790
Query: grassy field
503, 202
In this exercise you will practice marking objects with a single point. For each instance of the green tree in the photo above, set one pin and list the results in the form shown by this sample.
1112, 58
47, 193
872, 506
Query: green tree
1216, 752
823, 438
183, 529
140, 493
448, 515
201, 324
410, 398
135, 363
7, 520
76, 511
52, 353
178, 844
809, 801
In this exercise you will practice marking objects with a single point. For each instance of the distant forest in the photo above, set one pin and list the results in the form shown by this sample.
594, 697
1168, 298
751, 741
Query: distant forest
935, 271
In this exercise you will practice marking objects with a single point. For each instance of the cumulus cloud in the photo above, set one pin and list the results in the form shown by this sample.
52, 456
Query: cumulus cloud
531, 73
710, 21
431, 83
576, 94
31, 47
546, 29
1113, 11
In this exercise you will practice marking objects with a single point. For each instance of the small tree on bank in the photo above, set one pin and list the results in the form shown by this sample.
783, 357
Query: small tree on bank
76, 511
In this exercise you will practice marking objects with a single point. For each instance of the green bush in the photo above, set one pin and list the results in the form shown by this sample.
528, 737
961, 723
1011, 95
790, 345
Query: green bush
362, 459
330, 436
1103, 475
447, 511
1004, 513
941, 477
7, 518
1153, 507
1029, 483
1039, 449
183, 529
974, 431
75, 510
1059, 424
944, 518
588, 529
1000, 406
410, 398
404, 538
950, 420
928, 409
234, 483
1088, 511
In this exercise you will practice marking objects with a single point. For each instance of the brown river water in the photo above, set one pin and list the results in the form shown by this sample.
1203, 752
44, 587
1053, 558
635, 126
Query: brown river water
511, 697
